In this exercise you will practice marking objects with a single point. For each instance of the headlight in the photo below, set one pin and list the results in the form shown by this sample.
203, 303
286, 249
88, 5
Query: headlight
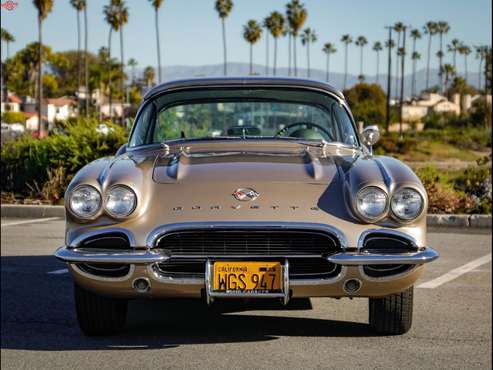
407, 204
120, 201
85, 201
371, 203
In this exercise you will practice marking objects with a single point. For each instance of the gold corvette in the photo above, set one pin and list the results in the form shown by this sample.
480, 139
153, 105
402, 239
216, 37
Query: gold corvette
245, 188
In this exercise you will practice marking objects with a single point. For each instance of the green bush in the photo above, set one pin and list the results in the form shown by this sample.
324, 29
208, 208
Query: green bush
29, 161
13, 117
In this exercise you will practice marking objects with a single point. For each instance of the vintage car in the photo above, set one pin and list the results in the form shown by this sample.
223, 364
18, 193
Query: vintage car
245, 188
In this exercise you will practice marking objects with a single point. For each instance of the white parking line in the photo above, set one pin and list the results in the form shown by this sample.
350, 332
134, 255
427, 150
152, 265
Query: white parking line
455, 273
30, 221
58, 272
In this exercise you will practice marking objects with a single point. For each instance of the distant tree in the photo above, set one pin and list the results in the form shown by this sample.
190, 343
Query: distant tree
367, 102
481, 53
453, 48
149, 76
460, 86
122, 19
465, 51
430, 29
361, 42
448, 71
79, 6
399, 28
7, 37
223, 8
308, 37
156, 4
277, 28
252, 33
415, 56
377, 48
132, 63
346, 40
43, 7
111, 17
442, 28
297, 15
328, 49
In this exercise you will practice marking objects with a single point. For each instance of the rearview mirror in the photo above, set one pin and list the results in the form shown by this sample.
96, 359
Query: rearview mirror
122, 149
370, 136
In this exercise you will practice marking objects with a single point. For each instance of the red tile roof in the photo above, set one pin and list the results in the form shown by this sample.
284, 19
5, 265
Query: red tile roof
14, 99
61, 101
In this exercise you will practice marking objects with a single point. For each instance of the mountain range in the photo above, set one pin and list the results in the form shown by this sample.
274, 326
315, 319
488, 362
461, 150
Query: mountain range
336, 78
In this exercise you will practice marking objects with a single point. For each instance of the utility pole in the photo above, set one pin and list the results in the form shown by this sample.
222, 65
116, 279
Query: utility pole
389, 77
401, 100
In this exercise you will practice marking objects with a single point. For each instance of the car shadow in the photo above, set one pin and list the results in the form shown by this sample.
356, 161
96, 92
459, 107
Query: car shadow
37, 313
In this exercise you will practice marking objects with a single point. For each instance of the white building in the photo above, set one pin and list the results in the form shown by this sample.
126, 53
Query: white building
56, 109
416, 110
12, 104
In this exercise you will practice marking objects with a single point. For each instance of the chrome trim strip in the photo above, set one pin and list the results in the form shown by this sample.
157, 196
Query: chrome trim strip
104, 278
164, 229
425, 255
107, 256
87, 234
390, 232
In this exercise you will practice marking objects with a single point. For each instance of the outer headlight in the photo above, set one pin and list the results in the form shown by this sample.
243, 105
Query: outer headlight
120, 201
407, 204
85, 201
371, 203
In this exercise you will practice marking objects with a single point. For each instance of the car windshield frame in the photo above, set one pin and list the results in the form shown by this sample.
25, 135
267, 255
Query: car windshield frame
191, 99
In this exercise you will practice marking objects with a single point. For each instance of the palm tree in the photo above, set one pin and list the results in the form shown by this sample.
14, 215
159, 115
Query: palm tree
453, 48
449, 71
86, 62
7, 37
415, 56
346, 40
361, 42
481, 55
149, 76
308, 37
415, 35
328, 49
377, 48
156, 4
252, 33
132, 63
465, 50
277, 28
430, 29
44, 7
79, 6
112, 19
223, 8
398, 27
297, 15
266, 24
122, 16
442, 28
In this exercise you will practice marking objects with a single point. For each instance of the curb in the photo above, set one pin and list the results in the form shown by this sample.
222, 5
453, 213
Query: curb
438, 220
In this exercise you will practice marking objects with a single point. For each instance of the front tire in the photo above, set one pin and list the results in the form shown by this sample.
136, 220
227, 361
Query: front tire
99, 315
393, 314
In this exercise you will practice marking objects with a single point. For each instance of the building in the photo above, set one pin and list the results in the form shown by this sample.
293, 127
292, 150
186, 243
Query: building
417, 109
32, 122
12, 104
55, 109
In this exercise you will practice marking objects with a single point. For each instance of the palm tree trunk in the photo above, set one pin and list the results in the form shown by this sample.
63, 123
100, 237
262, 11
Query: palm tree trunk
294, 56
110, 94
465, 67
378, 66
440, 74
79, 74
413, 83
86, 67
275, 56
266, 53
454, 59
345, 66
428, 63
122, 119
480, 73
40, 75
308, 72
327, 68
396, 90
289, 54
251, 59
158, 46
361, 61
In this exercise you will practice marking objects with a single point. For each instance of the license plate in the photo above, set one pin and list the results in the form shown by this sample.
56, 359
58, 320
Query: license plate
247, 277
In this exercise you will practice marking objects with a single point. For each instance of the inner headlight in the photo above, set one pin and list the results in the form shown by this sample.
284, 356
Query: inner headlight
120, 201
371, 203
85, 201
407, 204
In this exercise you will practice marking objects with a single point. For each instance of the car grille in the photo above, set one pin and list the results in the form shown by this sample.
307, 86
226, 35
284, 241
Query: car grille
299, 268
226, 243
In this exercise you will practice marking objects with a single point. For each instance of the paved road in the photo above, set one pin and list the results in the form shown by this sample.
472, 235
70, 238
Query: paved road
452, 326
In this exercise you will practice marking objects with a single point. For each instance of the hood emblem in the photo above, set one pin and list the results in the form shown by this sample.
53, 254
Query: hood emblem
245, 194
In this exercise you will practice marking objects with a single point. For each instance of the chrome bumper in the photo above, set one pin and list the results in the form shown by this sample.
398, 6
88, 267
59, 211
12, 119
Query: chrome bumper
75, 255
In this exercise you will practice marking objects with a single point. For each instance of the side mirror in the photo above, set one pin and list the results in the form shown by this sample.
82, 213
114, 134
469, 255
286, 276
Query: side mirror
370, 136
122, 149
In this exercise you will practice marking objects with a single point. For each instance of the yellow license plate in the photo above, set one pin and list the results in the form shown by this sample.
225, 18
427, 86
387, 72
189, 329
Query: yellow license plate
258, 277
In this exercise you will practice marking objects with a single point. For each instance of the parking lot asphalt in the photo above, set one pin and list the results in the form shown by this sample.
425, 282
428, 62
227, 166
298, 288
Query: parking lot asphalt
451, 329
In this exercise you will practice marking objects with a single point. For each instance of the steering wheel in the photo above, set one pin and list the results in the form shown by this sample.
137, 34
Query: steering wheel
309, 125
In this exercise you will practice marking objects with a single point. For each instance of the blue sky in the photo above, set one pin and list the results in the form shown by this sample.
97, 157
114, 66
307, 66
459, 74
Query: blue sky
191, 32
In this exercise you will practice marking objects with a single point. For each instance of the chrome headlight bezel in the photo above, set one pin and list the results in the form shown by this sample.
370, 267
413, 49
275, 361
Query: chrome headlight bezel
365, 217
110, 212
399, 218
87, 216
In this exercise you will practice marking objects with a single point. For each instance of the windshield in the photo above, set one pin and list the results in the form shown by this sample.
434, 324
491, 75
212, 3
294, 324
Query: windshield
243, 113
